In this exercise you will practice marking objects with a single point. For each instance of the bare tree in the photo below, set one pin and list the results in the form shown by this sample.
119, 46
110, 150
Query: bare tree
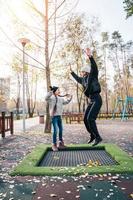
53, 11
74, 35
31, 91
47, 35
16, 66
114, 46
105, 45
120, 61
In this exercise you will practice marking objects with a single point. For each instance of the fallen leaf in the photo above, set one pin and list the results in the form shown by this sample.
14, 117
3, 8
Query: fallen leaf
44, 184
115, 177
101, 190
53, 195
68, 192
4, 195
11, 186
80, 186
11, 192
111, 190
56, 157
123, 188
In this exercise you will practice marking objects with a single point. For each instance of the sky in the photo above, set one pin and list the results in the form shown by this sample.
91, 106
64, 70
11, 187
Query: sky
111, 14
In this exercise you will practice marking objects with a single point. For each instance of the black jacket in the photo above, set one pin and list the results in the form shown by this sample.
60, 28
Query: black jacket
90, 83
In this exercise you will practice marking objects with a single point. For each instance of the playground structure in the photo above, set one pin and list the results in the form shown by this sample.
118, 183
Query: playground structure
125, 107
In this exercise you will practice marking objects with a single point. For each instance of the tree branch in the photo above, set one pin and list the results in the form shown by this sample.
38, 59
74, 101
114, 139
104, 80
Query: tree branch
54, 35
56, 10
31, 5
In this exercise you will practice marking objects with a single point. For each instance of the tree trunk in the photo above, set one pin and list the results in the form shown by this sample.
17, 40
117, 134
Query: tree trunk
106, 88
119, 75
17, 108
48, 82
78, 101
18, 97
106, 97
31, 114
125, 73
31, 101
28, 106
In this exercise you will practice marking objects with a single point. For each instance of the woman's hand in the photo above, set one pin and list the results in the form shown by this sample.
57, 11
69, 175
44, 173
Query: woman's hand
88, 52
70, 67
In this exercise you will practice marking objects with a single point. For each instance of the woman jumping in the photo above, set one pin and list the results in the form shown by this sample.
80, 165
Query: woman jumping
92, 89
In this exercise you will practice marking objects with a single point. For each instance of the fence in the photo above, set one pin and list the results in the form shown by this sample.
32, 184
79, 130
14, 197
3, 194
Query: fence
78, 117
6, 123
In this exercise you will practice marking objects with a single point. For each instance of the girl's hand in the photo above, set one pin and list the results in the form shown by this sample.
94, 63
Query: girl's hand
68, 95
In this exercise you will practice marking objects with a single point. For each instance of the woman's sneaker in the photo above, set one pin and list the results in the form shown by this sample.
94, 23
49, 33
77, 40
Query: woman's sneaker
54, 147
91, 140
97, 141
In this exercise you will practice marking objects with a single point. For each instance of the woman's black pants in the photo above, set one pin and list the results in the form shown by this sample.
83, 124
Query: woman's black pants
91, 114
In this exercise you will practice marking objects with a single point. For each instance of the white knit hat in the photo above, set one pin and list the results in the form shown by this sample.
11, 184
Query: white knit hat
87, 69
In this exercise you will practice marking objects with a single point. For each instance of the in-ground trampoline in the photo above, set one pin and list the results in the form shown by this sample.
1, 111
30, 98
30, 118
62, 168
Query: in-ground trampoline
79, 157
75, 160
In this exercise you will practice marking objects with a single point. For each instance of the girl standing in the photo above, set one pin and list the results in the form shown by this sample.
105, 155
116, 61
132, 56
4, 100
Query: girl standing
56, 103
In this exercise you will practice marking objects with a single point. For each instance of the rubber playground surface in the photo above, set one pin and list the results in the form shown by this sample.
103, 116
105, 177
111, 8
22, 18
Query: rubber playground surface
84, 186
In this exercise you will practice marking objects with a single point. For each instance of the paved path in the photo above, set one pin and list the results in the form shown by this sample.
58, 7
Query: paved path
14, 148
31, 122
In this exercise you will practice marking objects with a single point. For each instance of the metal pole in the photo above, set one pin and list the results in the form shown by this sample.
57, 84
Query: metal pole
24, 41
23, 89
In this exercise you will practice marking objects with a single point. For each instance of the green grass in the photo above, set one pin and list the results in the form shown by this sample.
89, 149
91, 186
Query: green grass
29, 166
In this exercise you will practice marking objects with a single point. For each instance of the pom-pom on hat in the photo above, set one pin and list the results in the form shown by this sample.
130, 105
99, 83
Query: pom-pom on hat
87, 69
54, 88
